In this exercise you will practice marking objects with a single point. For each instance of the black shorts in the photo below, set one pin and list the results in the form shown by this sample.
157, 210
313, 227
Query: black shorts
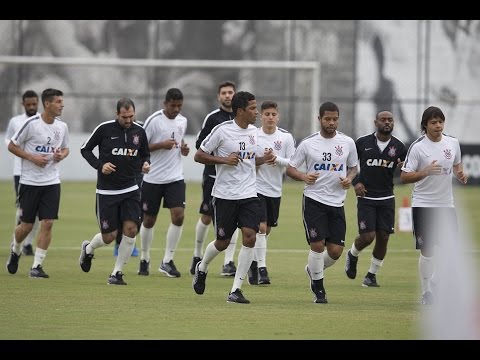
270, 208
41, 201
373, 215
173, 195
431, 224
206, 207
323, 222
16, 184
230, 214
113, 210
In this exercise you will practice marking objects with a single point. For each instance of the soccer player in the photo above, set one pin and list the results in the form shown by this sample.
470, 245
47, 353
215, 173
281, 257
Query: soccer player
41, 142
431, 161
165, 130
232, 147
225, 92
379, 153
30, 105
330, 158
122, 154
269, 185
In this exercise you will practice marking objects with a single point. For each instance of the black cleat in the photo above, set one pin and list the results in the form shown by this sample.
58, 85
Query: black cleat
229, 269
169, 269
237, 297
38, 273
195, 260
263, 276
85, 259
199, 278
351, 265
253, 273
116, 279
144, 266
370, 280
27, 250
320, 296
12, 262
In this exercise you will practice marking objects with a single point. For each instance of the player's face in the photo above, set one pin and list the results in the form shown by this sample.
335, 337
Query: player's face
126, 117
225, 96
384, 123
172, 108
435, 128
270, 118
30, 105
251, 111
55, 106
329, 122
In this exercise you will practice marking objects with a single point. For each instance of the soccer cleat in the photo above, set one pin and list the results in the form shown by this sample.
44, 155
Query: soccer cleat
198, 282
85, 259
144, 266
427, 298
27, 250
195, 260
229, 269
237, 297
351, 265
370, 280
38, 273
12, 262
169, 269
116, 279
320, 296
263, 276
253, 273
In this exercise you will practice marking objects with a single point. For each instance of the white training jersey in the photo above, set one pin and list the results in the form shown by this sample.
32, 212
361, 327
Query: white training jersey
13, 126
165, 165
37, 137
270, 177
433, 190
329, 158
233, 182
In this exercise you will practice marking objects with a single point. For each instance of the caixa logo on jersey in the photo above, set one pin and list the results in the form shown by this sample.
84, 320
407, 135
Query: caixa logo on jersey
124, 152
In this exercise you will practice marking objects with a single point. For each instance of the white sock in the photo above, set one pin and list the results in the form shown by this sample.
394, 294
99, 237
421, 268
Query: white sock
39, 257
29, 239
124, 252
354, 251
174, 233
245, 257
95, 243
315, 264
210, 253
327, 260
201, 232
425, 270
17, 247
230, 250
375, 265
146, 238
261, 250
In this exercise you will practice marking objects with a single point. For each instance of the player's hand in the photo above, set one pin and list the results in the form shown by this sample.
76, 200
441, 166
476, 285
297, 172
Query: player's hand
169, 144
399, 163
184, 149
40, 160
108, 168
462, 177
146, 168
433, 169
360, 190
270, 157
311, 178
233, 159
345, 183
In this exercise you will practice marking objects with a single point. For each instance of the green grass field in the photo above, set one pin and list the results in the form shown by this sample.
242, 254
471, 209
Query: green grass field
72, 304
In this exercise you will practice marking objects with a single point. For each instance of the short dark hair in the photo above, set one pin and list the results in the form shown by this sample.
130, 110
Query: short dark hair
173, 94
29, 94
268, 104
328, 106
125, 103
225, 84
240, 100
49, 94
430, 113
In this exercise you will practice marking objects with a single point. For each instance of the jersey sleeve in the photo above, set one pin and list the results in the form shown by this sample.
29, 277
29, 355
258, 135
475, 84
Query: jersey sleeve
411, 160
87, 148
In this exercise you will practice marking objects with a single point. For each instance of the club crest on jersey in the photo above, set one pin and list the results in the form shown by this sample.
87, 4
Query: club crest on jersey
339, 150
56, 135
145, 206
221, 232
362, 225
392, 151
105, 224
447, 153
312, 232
136, 139
277, 145
251, 139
